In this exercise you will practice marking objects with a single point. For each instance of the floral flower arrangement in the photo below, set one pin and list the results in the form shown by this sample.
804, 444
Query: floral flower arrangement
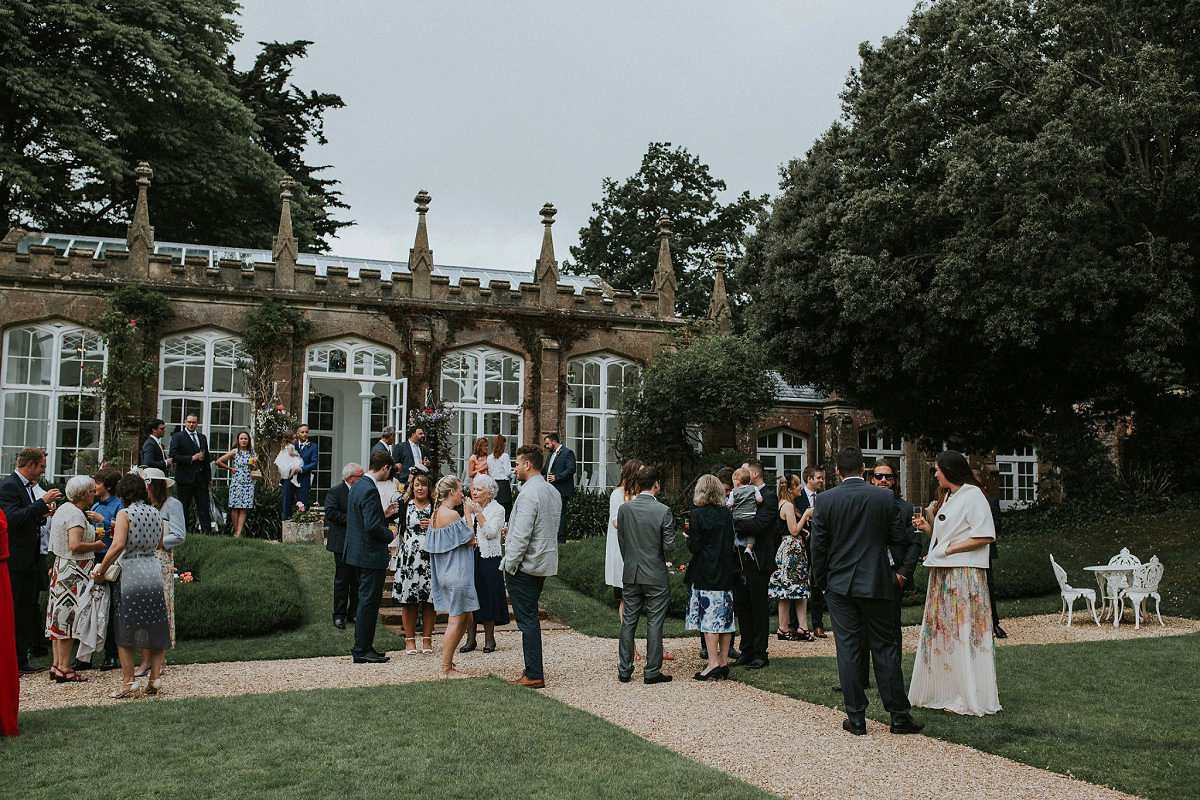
271, 422
303, 515
186, 577
435, 420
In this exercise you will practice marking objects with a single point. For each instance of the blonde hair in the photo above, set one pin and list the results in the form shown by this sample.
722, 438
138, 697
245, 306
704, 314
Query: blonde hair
443, 489
709, 492
741, 477
784, 488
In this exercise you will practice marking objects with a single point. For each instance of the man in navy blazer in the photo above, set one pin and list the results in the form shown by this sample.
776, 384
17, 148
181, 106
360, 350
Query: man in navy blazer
153, 454
189, 451
367, 540
559, 471
26, 568
345, 576
410, 453
854, 524
307, 450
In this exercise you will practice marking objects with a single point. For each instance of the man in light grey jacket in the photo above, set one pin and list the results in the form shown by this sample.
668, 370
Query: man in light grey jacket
645, 533
530, 556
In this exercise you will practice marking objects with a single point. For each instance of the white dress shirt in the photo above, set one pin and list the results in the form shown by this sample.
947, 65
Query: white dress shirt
499, 468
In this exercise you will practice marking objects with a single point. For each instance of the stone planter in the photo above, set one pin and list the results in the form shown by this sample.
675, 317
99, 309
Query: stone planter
303, 531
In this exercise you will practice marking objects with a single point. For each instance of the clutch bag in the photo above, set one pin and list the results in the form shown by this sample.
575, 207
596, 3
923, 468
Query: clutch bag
113, 572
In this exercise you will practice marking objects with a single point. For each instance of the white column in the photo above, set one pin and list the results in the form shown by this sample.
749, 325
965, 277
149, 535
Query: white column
366, 393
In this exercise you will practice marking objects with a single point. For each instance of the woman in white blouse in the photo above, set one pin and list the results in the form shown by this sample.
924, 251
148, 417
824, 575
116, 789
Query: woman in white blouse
614, 566
499, 466
489, 580
955, 668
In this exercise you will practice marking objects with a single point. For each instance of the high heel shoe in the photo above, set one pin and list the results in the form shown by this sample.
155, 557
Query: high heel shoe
411, 650
805, 636
786, 636
129, 690
724, 673
707, 676
153, 686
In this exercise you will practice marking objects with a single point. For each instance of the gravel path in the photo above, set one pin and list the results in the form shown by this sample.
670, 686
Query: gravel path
581, 672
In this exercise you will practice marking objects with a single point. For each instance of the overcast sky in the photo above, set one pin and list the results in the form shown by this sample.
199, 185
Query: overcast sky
496, 108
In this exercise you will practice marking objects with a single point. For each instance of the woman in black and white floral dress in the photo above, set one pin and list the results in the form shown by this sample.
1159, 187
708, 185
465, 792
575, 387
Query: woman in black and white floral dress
412, 582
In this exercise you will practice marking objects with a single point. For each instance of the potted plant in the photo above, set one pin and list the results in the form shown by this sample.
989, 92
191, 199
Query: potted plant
305, 525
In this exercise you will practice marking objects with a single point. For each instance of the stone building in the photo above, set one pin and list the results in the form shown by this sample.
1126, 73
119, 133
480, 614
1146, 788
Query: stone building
513, 352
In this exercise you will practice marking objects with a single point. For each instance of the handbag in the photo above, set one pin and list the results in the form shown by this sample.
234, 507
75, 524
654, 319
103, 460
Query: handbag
113, 572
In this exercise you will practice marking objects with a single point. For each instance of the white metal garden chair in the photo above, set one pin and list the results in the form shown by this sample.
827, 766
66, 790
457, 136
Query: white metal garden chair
1070, 594
1145, 585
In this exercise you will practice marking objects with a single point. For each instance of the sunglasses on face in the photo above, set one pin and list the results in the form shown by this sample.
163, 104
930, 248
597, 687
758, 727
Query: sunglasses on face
883, 476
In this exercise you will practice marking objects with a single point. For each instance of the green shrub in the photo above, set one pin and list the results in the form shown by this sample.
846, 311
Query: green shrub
263, 521
587, 514
241, 588
581, 566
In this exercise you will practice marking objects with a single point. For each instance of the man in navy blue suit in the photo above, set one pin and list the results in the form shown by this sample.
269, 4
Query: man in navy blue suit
307, 450
189, 453
367, 540
559, 471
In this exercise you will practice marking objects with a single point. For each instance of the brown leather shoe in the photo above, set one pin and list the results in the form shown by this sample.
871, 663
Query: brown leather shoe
529, 683
819, 632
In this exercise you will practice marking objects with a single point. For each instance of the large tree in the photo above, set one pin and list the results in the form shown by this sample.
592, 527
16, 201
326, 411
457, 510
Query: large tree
620, 241
91, 88
1001, 231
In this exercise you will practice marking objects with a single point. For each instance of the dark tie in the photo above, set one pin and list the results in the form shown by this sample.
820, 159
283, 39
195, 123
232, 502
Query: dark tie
29, 488
196, 441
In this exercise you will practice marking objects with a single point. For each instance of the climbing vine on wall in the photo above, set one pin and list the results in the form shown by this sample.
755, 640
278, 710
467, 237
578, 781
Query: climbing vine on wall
130, 325
271, 333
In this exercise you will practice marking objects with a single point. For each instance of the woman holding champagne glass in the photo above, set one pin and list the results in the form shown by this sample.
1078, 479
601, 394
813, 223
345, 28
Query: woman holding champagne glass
955, 669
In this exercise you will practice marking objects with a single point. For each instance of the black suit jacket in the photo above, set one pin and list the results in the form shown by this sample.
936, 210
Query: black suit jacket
853, 526
181, 451
764, 527
24, 523
153, 455
564, 471
905, 557
994, 505
402, 454
335, 515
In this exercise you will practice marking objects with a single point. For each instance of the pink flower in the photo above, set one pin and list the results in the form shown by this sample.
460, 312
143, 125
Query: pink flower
300, 505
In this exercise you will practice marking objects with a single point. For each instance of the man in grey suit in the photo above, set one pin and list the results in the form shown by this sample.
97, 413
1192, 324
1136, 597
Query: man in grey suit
852, 528
531, 556
645, 534
367, 540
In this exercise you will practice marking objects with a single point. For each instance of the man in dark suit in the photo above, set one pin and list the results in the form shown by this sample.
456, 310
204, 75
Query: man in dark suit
756, 563
645, 534
345, 576
410, 453
813, 477
853, 525
189, 452
559, 472
25, 515
307, 450
152, 449
367, 539
387, 437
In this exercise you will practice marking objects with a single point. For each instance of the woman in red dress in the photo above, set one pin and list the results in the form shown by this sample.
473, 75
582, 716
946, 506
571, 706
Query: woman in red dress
10, 686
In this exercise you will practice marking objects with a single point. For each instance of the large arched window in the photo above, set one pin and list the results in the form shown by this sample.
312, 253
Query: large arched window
350, 357
201, 374
485, 387
51, 372
595, 387
785, 450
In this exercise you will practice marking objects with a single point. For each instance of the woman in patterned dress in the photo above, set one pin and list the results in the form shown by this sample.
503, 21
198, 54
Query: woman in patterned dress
411, 583
74, 542
789, 583
139, 603
240, 461
710, 575
158, 488
955, 669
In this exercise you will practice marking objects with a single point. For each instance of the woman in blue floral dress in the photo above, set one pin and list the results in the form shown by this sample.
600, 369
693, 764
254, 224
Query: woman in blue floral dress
241, 462
789, 583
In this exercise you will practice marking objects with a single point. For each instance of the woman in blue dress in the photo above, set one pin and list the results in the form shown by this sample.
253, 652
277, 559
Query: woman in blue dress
451, 547
241, 462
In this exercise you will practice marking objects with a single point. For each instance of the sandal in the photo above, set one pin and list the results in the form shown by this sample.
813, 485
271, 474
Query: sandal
804, 636
427, 650
129, 690
142, 671
56, 676
411, 651
71, 676
154, 686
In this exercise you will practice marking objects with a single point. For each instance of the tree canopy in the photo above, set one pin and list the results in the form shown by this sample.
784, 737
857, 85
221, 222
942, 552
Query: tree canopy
90, 89
713, 379
620, 241
1001, 230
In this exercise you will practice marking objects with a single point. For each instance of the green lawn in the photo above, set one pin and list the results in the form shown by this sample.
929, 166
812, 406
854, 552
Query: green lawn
445, 740
316, 636
1119, 713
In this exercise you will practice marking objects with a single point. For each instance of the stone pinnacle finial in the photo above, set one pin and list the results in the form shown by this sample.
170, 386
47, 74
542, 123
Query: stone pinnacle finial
284, 247
420, 257
140, 236
546, 272
664, 273
718, 307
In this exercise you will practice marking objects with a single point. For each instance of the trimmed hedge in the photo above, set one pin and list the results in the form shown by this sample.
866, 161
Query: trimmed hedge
581, 566
241, 588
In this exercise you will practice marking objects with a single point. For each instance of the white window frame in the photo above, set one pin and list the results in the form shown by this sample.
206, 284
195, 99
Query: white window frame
358, 353
55, 390
205, 397
1017, 471
881, 444
601, 472
472, 418
775, 453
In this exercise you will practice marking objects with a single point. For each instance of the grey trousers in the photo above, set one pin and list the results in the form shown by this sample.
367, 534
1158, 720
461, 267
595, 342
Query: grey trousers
653, 600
